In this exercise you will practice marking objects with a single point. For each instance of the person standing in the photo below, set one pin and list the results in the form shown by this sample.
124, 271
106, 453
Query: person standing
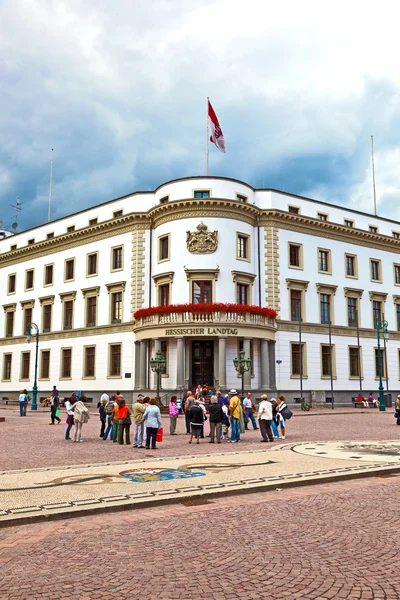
196, 416
248, 412
216, 416
103, 416
282, 421
173, 415
275, 418
397, 410
70, 416
109, 409
234, 410
125, 422
152, 418
138, 411
225, 419
188, 405
81, 416
265, 418
54, 404
105, 397
22, 400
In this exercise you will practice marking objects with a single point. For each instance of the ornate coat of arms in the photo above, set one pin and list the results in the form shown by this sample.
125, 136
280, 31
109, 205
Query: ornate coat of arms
202, 241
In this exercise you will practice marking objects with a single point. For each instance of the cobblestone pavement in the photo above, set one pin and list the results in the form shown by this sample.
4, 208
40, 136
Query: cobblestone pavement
338, 540
35, 443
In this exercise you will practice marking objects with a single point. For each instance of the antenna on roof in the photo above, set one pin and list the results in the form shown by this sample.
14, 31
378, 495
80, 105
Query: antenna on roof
373, 172
18, 209
50, 186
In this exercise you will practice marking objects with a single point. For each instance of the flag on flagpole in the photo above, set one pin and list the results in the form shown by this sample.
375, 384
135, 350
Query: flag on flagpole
216, 135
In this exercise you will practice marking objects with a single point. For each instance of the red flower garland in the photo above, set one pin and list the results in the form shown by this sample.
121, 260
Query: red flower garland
205, 308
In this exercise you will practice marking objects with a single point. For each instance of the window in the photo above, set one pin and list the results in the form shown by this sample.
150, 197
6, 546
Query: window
68, 314
90, 359
375, 270
295, 305
322, 216
116, 307
93, 221
91, 266
242, 291
242, 250
397, 274
241, 197
66, 359
71, 228
351, 265
163, 294
7, 362
383, 363
25, 362
373, 229
116, 258
46, 318
27, 319
295, 210
297, 360
163, 248
9, 323
202, 292
12, 279
31, 241
295, 256
164, 199
352, 312
91, 311
118, 213
201, 193
13, 247
29, 279
349, 223
398, 316
48, 275
327, 361
50, 235
396, 234
324, 261
69, 269
115, 360
45, 364
354, 361
325, 308
376, 312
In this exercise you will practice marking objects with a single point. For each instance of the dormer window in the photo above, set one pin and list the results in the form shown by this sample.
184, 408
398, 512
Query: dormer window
201, 193
71, 228
31, 241
349, 223
295, 210
241, 197
118, 213
93, 221
373, 229
164, 200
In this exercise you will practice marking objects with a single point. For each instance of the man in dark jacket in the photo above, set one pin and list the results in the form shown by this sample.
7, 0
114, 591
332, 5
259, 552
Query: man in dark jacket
216, 417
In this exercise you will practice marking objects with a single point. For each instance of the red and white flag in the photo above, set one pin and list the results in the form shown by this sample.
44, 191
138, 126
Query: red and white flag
216, 135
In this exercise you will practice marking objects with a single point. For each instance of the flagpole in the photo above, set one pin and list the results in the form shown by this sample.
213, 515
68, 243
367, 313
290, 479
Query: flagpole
373, 172
207, 145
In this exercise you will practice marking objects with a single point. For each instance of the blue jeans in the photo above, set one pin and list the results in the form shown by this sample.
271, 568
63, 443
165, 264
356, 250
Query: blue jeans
109, 429
250, 416
21, 408
67, 431
274, 428
235, 433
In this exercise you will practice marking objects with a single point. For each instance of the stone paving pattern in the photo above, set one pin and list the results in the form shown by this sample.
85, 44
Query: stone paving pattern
33, 443
326, 542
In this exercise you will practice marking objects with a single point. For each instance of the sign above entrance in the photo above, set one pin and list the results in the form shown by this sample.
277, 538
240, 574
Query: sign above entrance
202, 331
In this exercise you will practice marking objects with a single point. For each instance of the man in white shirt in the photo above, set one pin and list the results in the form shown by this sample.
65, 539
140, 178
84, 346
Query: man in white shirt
248, 410
264, 419
105, 397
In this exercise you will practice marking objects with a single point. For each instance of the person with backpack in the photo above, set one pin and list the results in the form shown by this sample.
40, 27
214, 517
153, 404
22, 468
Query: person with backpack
81, 416
103, 416
108, 409
70, 416
54, 410
124, 422
138, 412
216, 416
284, 414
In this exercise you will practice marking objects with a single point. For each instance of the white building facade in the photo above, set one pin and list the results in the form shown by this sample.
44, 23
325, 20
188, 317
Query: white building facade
210, 241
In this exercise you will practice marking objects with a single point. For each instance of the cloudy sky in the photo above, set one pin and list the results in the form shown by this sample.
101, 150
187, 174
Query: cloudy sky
118, 88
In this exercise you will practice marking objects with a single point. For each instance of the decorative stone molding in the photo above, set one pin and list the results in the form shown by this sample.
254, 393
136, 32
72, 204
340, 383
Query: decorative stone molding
137, 270
91, 291
46, 300
202, 274
118, 286
297, 284
164, 278
27, 303
204, 207
272, 286
396, 299
326, 288
337, 330
243, 277
378, 296
82, 332
10, 307
202, 241
352, 292
66, 296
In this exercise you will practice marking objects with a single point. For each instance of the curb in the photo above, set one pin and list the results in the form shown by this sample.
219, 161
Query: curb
130, 504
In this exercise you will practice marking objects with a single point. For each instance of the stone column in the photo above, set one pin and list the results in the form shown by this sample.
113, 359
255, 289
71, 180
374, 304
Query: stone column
157, 347
272, 364
247, 375
142, 365
180, 363
137, 364
264, 364
222, 363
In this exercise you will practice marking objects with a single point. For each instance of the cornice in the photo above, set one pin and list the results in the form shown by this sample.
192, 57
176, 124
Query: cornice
337, 330
83, 332
79, 237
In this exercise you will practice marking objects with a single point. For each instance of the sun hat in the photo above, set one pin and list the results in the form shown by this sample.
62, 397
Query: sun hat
232, 392
264, 397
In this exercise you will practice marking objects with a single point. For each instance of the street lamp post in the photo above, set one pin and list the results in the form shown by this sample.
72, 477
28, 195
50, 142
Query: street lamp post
29, 328
242, 365
157, 365
381, 328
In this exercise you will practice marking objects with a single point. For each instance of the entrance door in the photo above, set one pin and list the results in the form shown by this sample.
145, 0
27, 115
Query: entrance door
203, 363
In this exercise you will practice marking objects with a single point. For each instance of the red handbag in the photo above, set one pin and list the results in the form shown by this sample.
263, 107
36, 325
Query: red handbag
159, 434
